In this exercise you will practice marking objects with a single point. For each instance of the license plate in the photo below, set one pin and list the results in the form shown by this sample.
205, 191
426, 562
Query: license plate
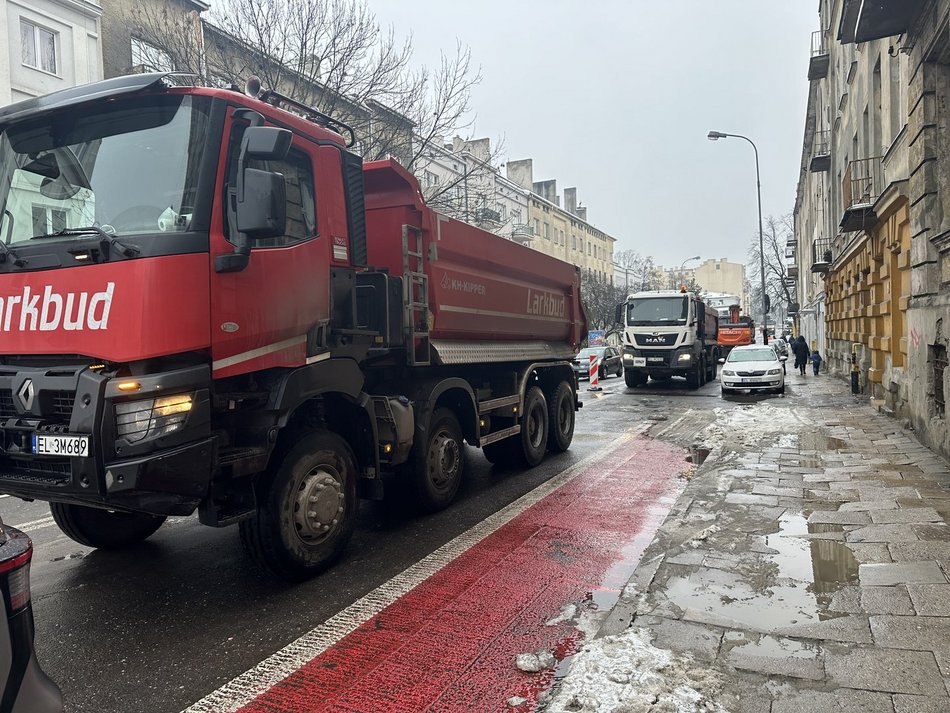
639, 361
748, 380
77, 446
655, 359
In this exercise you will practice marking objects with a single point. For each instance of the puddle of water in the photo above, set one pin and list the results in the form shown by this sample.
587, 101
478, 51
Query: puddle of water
791, 586
697, 456
809, 441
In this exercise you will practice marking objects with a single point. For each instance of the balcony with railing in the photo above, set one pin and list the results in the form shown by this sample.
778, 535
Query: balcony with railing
818, 64
863, 21
821, 255
522, 233
861, 186
486, 215
820, 151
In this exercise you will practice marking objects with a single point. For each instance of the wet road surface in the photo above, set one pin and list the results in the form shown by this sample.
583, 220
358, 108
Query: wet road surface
162, 625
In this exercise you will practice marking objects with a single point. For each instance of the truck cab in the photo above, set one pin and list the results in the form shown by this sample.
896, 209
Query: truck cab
668, 333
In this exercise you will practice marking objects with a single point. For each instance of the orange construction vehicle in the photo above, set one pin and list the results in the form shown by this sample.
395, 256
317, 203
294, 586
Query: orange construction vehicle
735, 331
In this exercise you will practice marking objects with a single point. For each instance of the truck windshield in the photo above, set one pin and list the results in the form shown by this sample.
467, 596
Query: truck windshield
657, 310
126, 167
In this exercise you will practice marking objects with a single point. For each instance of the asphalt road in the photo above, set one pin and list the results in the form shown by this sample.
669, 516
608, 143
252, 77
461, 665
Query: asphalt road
156, 627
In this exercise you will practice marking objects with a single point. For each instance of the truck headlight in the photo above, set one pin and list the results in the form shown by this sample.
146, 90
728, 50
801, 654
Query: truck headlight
628, 357
136, 420
684, 357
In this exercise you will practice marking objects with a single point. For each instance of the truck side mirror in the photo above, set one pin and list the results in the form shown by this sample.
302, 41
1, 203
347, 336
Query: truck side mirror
618, 314
260, 209
263, 212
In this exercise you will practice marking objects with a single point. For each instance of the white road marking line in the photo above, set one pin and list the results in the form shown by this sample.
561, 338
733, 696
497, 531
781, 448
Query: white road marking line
34, 525
243, 689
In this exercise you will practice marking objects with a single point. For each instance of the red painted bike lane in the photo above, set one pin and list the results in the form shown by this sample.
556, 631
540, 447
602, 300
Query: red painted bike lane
450, 643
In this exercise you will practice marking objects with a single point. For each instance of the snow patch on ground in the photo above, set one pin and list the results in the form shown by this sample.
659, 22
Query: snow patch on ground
625, 673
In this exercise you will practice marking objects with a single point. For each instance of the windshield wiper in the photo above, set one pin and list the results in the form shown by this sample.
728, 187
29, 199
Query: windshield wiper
106, 240
7, 254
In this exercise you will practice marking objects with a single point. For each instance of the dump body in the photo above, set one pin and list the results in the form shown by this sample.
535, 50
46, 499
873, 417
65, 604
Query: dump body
486, 295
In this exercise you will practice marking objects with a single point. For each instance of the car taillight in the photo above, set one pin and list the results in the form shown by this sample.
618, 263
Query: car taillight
18, 580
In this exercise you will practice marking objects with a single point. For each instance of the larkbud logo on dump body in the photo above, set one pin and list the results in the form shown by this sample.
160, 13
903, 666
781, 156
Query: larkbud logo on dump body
47, 311
546, 304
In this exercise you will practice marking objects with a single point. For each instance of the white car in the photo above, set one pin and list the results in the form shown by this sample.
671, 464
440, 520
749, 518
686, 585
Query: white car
754, 367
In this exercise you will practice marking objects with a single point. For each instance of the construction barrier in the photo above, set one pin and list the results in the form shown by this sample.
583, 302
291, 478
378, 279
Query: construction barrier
594, 373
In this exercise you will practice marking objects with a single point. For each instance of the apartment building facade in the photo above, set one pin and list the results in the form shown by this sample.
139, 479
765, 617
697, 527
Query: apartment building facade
871, 255
51, 45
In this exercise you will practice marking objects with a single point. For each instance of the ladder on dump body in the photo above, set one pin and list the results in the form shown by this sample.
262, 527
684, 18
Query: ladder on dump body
415, 292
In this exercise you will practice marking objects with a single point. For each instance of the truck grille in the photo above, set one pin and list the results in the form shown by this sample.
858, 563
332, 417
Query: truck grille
49, 471
58, 405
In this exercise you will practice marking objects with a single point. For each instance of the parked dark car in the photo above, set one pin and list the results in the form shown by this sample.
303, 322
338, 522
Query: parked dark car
610, 362
25, 688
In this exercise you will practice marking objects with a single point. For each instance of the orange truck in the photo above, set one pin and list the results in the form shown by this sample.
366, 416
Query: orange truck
734, 330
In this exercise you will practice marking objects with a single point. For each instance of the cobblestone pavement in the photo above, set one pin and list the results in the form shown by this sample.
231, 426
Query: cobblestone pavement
807, 562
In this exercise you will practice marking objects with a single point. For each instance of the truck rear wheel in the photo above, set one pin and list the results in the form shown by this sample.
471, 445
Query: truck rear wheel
104, 529
561, 418
534, 427
307, 515
438, 470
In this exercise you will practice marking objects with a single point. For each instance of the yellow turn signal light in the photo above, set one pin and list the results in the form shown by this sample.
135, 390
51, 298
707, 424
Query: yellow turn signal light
128, 386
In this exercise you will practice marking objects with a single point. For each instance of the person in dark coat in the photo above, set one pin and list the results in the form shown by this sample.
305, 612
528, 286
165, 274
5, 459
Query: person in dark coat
800, 349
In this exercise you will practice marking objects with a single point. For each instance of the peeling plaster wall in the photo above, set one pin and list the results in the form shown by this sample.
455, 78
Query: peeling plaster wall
929, 144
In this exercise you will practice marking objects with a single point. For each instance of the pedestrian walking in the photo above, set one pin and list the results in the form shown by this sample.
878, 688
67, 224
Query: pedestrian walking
816, 361
800, 349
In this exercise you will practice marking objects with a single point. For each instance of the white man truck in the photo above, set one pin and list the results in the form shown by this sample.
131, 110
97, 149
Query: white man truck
668, 333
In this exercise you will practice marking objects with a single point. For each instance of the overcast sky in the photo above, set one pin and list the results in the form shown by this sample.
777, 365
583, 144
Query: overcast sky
616, 97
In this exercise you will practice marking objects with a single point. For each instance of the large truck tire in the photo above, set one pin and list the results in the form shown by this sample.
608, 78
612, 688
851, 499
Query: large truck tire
632, 378
712, 368
308, 512
438, 466
104, 529
561, 418
694, 377
534, 428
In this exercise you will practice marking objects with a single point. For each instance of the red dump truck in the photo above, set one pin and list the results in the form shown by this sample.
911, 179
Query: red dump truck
207, 302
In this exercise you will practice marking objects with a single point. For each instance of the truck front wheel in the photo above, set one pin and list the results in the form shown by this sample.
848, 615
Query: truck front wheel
308, 512
104, 529
634, 378
694, 377
438, 470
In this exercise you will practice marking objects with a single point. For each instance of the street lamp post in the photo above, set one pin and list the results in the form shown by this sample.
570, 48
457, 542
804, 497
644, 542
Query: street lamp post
683, 265
714, 136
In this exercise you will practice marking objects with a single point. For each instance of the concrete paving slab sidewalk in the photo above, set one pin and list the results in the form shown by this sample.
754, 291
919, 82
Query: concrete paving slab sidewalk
807, 568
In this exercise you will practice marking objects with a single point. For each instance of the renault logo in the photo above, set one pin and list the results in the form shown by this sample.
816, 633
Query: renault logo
26, 394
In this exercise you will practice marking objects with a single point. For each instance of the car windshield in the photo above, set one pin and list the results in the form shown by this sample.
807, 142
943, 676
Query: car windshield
585, 353
126, 167
737, 355
657, 310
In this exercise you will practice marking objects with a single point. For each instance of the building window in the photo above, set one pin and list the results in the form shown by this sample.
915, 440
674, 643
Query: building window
431, 179
38, 47
544, 231
537, 227
150, 58
573, 242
